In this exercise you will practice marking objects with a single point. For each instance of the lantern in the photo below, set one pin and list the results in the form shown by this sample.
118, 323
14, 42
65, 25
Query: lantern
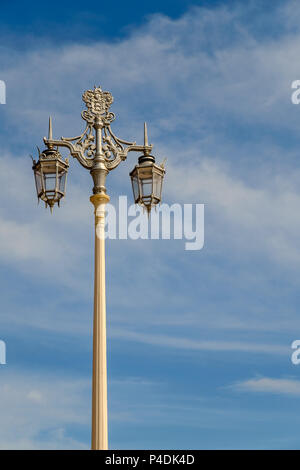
50, 173
147, 179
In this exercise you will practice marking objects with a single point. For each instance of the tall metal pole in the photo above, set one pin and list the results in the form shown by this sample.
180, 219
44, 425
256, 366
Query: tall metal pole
99, 389
99, 386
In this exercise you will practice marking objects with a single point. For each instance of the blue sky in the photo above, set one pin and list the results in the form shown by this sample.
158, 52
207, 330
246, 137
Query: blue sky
203, 360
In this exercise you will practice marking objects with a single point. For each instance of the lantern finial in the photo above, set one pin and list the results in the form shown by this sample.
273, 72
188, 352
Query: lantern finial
50, 135
145, 135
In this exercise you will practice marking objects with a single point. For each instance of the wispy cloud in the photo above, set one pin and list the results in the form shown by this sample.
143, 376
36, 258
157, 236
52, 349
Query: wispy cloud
37, 411
269, 385
252, 219
194, 345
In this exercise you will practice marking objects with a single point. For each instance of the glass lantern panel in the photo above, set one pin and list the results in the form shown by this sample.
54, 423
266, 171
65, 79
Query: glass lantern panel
157, 185
62, 181
135, 187
38, 181
50, 181
146, 187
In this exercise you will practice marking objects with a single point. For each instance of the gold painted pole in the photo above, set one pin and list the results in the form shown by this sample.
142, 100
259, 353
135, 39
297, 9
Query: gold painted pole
99, 389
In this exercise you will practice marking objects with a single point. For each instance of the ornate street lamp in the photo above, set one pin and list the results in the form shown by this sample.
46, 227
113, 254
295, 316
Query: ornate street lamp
100, 151
50, 173
147, 179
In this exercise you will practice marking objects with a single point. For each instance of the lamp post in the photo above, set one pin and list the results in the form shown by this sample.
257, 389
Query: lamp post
100, 151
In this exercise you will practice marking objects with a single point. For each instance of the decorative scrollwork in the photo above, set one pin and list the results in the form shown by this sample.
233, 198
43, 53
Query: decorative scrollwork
85, 142
98, 103
113, 148
97, 116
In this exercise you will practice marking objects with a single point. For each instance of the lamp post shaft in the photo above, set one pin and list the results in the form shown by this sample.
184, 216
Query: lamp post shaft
99, 388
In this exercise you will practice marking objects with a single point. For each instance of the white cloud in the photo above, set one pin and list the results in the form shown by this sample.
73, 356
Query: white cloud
35, 396
38, 411
184, 76
196, 345
270, 385
260, 219
174, 70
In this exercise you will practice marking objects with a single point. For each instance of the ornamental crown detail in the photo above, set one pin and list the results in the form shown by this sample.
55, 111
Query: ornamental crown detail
97, 101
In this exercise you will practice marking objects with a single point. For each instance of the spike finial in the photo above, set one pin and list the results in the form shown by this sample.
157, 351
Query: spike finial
50, 135
145, 135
